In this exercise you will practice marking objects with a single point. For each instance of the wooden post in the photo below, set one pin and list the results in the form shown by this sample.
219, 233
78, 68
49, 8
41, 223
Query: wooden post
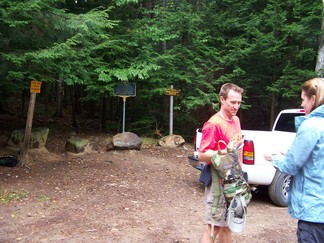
34, 88
28, 129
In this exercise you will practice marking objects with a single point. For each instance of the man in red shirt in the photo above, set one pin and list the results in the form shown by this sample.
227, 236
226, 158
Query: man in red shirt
224, 125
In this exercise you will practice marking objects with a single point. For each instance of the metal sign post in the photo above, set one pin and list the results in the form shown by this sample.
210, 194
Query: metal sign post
124, 91
171, 92
171, 114
124, 111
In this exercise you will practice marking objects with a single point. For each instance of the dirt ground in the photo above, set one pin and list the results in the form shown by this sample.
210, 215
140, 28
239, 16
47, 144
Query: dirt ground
147, 195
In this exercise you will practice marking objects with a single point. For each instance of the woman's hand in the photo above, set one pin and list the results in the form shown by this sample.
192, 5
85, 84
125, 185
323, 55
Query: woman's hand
268, 157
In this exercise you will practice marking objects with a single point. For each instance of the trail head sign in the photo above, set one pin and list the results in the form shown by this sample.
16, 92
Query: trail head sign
35, 86
172, 92
125, 90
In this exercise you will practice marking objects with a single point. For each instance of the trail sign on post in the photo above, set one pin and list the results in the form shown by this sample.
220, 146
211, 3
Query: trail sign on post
35, 87
125, 90
171, 92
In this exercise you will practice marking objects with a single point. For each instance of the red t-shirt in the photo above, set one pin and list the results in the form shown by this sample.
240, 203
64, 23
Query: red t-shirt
217, 128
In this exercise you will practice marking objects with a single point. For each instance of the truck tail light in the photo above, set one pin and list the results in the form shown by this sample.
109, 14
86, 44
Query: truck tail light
248, 152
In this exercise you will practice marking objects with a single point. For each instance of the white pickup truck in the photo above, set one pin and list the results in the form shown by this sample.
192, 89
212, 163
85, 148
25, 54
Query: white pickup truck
256, 143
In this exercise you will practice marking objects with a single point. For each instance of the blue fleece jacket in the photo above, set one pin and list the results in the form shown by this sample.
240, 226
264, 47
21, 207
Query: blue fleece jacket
305, 162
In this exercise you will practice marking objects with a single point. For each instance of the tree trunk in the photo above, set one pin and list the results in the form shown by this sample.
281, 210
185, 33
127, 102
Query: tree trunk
59, 101
46, 95
74, 105
77, 96
273, 97
320, 55
164, 46
272, 111
103, 113
23, 100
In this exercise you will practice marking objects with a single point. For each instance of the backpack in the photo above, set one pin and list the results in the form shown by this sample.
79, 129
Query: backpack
8, 160
205, 175
229, 170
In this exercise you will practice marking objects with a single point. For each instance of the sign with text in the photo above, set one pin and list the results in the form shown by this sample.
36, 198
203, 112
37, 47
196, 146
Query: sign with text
125, 89
172, 92
35, 86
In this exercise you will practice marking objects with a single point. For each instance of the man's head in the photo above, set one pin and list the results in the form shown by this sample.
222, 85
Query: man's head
230, 98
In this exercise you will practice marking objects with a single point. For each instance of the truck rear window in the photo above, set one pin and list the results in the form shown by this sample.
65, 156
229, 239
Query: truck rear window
286, 122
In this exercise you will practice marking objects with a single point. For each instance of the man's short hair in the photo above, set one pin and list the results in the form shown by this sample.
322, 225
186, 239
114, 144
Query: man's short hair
227, 87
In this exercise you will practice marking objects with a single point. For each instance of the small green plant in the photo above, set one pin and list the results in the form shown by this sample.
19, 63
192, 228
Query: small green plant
7, 196
149, 141
43, 198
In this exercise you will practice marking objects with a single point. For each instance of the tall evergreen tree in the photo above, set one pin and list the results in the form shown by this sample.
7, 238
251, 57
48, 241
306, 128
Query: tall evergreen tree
267, 47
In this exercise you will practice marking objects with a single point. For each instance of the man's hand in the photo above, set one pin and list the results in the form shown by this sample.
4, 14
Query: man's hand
206, 156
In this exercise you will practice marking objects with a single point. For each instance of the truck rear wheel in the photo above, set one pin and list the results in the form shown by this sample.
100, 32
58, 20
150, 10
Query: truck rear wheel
279, 188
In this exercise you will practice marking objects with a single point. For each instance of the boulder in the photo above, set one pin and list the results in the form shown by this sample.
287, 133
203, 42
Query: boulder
38, 137
109, 144
4, 140
77, 145
126, 140
171, 141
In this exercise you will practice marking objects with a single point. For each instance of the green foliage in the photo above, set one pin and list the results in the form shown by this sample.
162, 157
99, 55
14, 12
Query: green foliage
43, 198
267, 47
148, 141
7, 196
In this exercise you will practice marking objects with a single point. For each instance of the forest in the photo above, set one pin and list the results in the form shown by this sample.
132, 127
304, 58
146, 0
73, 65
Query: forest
82, 49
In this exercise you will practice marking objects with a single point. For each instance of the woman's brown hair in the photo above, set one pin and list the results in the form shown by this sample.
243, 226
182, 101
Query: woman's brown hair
314, 87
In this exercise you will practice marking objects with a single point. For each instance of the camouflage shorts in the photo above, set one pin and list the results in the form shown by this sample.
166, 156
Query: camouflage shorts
221, 211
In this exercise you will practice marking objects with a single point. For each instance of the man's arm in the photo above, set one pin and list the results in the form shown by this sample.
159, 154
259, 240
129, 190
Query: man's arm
206, 156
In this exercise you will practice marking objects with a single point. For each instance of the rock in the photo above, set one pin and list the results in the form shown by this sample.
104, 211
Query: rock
109, 144
171, 141
76, 145
38, 137
4, 140
126, 140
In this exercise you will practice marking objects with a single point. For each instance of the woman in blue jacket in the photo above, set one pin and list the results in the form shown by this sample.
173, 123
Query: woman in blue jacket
304, 161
